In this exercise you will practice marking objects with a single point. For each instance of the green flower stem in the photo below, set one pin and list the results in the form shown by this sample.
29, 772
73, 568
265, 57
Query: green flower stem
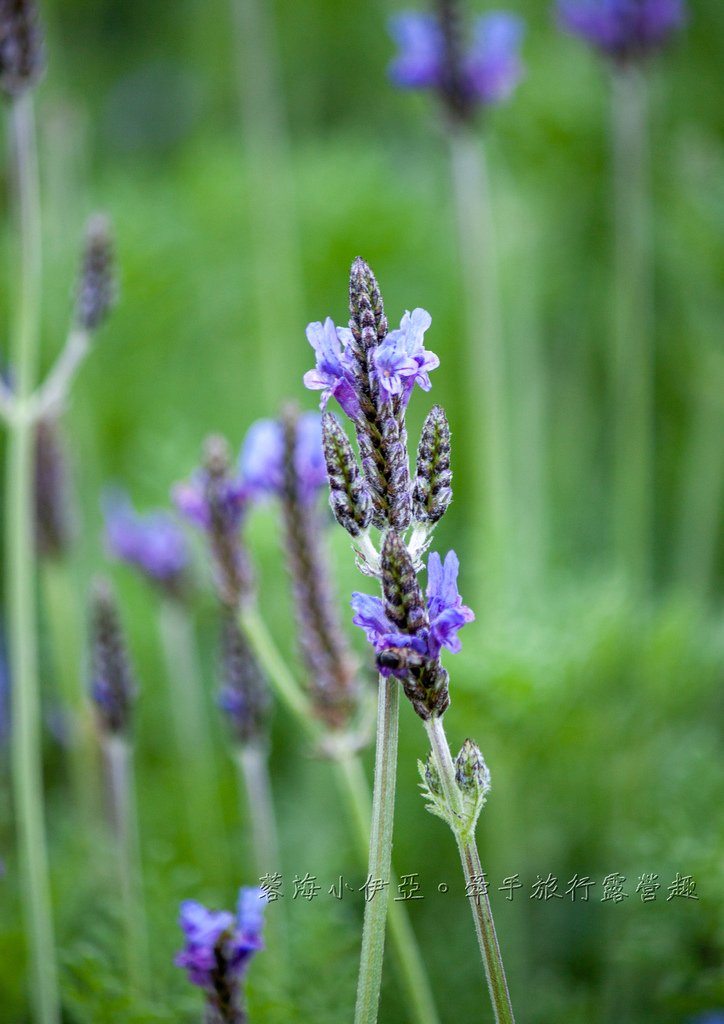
118, 758
473, 872
489, 469
354, 785
273, 220
65, 626
352, 782
379, 865
252, 760
253, 764
21, 581
631, 351
193, 729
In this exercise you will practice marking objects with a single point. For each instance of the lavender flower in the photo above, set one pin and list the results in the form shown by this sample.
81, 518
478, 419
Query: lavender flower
432, 55
154, 542
623, 30
244, 695
52, 513
22, 56
112, 685
372, 373
262, 457
333, 375
218, 950
216, 500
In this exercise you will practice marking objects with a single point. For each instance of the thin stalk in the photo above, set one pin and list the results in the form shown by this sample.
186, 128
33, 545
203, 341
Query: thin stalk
413, 975
485, 381
192, 727
379, 864
272, 207
354, 786
66, 640
632, 349
118, 758
700, 509
473, 872
21, 580
253, 763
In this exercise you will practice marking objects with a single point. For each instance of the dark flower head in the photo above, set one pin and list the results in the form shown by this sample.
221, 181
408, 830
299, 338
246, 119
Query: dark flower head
113, 687
97, 284
53, 521
622, 29
22, 56
154, 542
483, 74
262, 457
219, 947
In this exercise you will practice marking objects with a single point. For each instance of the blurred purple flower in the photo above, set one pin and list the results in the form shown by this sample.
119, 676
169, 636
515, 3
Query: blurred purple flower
262, 456
622, 29
445, 610
219, 947
152, 542
333, 373
191, 499
484, 74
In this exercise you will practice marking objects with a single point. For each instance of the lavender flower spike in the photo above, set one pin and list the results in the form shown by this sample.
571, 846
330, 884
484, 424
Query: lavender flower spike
113, 688
22, 56
218, 950
153, 543
624, 30
53, 521
97, 285
216, 500
433, 55
407, 634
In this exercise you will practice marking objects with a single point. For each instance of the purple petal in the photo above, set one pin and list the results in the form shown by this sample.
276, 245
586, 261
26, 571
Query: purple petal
492, 66
418, 65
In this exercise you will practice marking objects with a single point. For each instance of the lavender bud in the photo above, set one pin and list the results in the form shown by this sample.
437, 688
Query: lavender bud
431, 776
471, 772
404, 603
433, 492
97, 285
331, 668
22, 56
112, 684
349, 495
52, 519
244, 695
368, 321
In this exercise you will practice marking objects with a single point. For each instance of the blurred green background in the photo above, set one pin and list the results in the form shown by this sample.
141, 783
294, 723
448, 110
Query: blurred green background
246, 154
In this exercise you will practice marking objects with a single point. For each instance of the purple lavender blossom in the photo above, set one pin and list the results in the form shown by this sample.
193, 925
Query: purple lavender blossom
622, 29
446, 612
484, 74
153, 542
262, 456
333, 372
492, 67
219, 947
401, 360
